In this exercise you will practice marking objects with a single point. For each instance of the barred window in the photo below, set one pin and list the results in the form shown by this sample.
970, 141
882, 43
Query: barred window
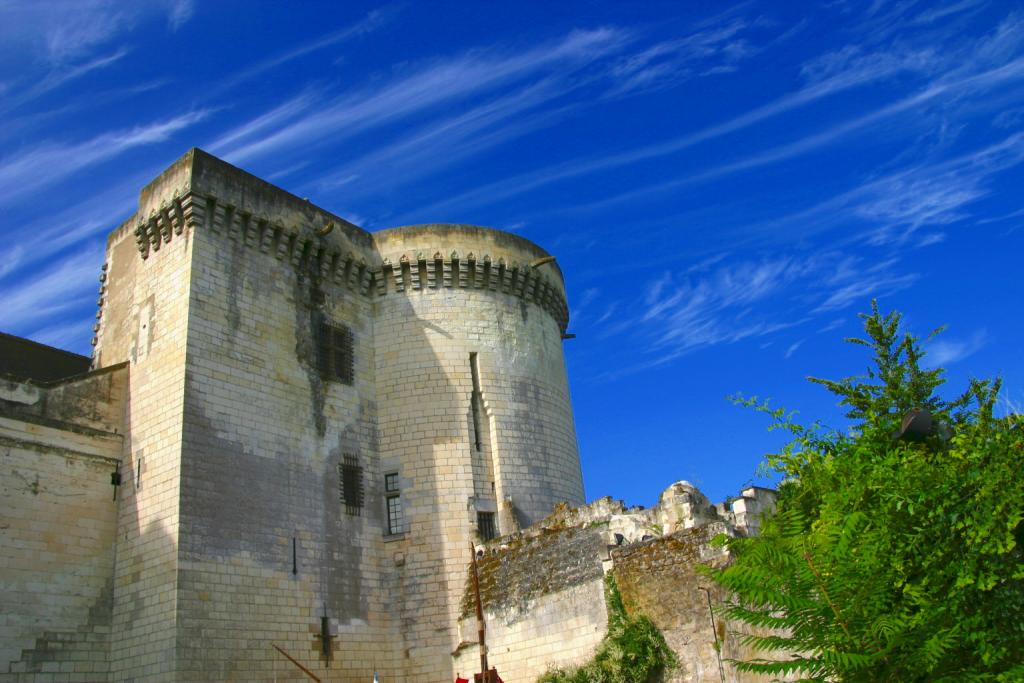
334, 353
350, 485
394, 503
485, 526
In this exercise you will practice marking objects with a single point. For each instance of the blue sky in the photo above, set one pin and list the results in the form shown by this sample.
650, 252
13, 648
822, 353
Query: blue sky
725, 186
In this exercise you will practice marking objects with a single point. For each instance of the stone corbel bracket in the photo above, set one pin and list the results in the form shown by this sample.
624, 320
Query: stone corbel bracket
455, 271
309, 251
304, 249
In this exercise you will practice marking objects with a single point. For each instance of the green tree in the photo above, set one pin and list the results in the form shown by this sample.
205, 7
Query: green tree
889, 558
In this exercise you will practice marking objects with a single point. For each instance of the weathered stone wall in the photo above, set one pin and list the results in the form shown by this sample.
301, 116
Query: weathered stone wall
542, 588
95, 400
268, 546
560, 629
460, 289
57, 529
544, 603
143, 320
658, 578
231, 535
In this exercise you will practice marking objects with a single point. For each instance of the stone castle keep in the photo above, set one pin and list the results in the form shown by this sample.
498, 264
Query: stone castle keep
290, 434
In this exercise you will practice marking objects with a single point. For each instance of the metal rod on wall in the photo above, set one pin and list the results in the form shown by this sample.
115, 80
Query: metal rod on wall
481, 626
296, 663
714, 631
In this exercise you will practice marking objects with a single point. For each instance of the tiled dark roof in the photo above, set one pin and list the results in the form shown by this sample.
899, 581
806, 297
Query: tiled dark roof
25, 359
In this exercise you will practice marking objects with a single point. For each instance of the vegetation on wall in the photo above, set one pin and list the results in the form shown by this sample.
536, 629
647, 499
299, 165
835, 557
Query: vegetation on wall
633, 651
897, 551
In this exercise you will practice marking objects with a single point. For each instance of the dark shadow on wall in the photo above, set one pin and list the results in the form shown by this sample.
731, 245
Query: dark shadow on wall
425, 596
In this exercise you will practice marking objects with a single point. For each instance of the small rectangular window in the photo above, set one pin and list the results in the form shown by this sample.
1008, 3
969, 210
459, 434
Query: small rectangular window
485, 525
334, 353
393, 497
350, 485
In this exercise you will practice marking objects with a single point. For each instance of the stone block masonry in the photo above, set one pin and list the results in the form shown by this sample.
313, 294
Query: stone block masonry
58, 519
312, 423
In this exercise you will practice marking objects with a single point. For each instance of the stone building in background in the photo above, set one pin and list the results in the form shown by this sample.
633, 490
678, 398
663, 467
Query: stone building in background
289, 435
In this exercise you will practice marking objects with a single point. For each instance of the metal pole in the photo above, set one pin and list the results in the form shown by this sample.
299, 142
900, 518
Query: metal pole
481, 625
296, 663
714, 630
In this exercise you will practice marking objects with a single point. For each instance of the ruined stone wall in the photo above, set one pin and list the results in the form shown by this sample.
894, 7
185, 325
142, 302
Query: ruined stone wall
57, 529
447, 292
143, 320
544, 603
542, 588
658, 578
95, 400
559, 630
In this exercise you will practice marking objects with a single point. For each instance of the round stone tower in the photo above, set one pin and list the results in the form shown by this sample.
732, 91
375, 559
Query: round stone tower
473, 405
471, 327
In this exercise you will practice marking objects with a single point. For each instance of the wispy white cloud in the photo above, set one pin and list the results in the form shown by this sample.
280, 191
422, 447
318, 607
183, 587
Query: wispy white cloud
24, 173
894, 207
62, 33
11, 259
942, 352
975, 83
874, 284
607, 314
718, 48
834, 325
81, 223
1019, 213
68, 284
45, 44
179, 12
59, 77
734, 301
75, 28
1009, 118
274, 118
419, 92
39, 119
371, 22
982, 67
72, 335
453, 139
941, 11
822, 84
583, 304
678, 317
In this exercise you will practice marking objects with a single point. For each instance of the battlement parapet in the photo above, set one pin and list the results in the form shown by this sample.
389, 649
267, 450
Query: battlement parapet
312, 249
517, 279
